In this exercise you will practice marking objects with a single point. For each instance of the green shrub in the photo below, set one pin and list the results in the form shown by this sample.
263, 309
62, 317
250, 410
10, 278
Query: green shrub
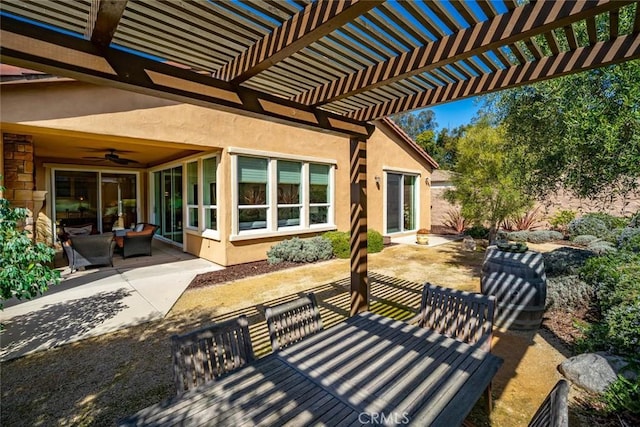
568, 292
588, 225
613, 235
562, 218
518, 236
601, 247
375, 242
584, 239
626, 236
565, 261
477, 232
610, 221
623, 395
341, 246
298, 250
634, 221
616, 280
340, 243
543, 236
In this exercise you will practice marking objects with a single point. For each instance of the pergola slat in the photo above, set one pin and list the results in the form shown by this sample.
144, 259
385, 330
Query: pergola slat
623, 48
523, 22
315, 21
107, 20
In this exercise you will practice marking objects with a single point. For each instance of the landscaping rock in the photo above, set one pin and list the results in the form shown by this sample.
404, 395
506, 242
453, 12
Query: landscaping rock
595, 371
468, 244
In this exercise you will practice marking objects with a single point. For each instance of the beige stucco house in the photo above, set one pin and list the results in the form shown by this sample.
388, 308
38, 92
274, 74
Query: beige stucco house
221, 186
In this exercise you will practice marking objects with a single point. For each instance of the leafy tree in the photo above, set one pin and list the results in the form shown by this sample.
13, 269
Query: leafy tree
579, 132
486, 185
441, 145
415, 123
24, 270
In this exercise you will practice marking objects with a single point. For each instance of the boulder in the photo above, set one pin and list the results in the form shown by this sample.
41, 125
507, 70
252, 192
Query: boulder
468, 244
595, 371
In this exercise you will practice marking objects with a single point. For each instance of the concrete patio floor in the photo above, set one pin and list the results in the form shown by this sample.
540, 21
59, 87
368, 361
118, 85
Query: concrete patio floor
99, 300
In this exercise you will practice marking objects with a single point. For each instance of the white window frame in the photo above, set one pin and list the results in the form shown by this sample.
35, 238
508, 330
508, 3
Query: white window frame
272, 228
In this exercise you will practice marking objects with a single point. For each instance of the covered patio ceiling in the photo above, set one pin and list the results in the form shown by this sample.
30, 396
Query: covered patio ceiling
330, 65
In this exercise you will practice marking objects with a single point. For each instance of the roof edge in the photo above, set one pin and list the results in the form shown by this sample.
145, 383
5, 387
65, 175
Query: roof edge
410, 142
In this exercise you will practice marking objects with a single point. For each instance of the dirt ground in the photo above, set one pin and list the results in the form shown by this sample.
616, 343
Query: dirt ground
100, 380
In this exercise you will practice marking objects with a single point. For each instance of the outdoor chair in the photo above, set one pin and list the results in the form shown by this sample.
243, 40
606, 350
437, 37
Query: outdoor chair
465, 316
292, 321
90, 249
206, 354
137, 241
554, 411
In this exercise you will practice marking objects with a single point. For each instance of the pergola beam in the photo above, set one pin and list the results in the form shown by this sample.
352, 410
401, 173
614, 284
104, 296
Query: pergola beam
68, 56
309, 25
519, 24
623, 48
107, 19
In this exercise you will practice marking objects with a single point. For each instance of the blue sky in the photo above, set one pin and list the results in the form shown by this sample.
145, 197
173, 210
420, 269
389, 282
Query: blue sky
456, 113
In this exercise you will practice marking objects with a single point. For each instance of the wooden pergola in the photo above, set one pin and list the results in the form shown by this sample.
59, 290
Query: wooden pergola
328, 65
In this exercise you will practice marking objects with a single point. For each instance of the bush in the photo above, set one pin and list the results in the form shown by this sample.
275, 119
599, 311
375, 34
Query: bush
610, 221
340, 243
518, 236
628, 234
616, 280
623, 395
561, 219
565, 261
341, 247
543, 236
375, 242
634, 222
584, 239
477, 232
588, 225
529, 220
601, 247
298, 250
568, 292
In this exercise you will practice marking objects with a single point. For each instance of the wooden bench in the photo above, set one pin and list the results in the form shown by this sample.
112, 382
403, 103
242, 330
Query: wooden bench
465, 316
205, 354
554, 411
292, 321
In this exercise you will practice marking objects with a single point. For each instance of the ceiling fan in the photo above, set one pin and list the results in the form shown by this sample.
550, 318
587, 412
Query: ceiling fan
111, 156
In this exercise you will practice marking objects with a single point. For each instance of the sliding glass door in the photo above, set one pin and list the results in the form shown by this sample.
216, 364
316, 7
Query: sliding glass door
168, 203
401, 212
102, 199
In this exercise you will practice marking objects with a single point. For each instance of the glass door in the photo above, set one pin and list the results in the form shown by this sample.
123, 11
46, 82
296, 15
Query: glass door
119, 201
168, 203
401, 202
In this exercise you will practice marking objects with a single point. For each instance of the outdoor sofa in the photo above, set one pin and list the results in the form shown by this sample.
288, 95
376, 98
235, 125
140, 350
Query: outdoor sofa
136, 241
89, 249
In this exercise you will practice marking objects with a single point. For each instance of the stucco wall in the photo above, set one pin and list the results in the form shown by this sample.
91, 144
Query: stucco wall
80, 107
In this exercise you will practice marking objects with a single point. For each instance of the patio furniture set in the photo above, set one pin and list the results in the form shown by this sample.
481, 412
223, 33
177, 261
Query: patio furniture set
83, 246
368, 369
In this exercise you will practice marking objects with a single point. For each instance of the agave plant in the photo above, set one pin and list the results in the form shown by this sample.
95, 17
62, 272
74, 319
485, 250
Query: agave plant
454, 221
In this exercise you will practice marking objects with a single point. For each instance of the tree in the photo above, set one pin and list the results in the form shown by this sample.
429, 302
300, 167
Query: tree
486, 185
24, 269
414, 123
579, 132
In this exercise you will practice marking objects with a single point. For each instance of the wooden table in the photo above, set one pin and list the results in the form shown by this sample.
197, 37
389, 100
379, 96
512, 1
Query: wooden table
367, 370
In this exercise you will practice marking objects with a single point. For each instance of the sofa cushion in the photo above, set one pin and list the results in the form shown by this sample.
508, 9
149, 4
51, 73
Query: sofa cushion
139, 227
78, 230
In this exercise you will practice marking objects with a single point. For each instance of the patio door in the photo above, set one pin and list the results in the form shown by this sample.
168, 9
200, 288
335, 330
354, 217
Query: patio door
118, 201
401, 198
168, 203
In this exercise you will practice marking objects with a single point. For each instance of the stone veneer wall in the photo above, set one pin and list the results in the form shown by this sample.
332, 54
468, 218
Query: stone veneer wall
18, 175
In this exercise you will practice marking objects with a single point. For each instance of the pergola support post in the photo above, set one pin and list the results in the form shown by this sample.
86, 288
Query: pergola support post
358, 215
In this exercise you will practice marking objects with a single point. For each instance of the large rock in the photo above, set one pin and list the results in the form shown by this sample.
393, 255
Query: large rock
595, 371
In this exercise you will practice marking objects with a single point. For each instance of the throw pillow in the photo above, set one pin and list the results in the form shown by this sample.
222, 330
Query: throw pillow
139, 227
78, 231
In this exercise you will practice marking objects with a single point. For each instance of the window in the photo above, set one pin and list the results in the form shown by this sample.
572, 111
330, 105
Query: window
276, 195
319, 197
210, 199
192, 194
252, 193
289, 196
